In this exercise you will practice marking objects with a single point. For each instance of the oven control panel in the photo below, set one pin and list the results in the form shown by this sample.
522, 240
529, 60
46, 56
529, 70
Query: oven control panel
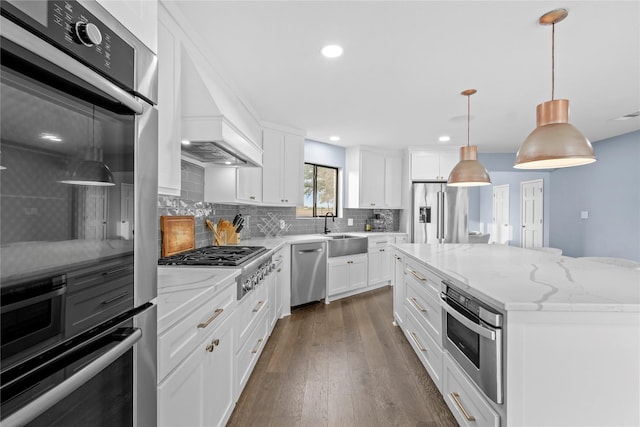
463, 300
70, 27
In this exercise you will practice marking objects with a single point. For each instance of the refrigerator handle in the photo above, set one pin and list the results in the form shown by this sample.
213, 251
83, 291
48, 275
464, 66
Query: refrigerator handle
442, 212
438, 216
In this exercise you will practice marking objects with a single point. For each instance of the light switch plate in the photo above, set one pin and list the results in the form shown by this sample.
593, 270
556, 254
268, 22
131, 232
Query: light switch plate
350, 222
584, 215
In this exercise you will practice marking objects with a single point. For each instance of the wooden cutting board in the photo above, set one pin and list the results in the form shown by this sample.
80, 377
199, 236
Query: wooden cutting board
178, 234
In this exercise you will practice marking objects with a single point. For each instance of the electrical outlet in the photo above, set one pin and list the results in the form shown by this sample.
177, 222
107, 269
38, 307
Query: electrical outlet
350, 222
584, 215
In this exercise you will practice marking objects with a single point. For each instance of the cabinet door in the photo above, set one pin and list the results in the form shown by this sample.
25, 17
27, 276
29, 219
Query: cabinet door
375, 258
371, 179
169, 112
425, 166
138, 16
386, 263
292, 170
181, 399
219, 382
338, 277
358, 272
249, 184
273, 304
448, 160
272, 156
398, 288
393, 182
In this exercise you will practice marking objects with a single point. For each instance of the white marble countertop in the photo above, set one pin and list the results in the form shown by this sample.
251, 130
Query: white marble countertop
274, 243
513, 278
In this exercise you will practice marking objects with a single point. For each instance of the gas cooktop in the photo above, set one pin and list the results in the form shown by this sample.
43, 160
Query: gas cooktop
217, 256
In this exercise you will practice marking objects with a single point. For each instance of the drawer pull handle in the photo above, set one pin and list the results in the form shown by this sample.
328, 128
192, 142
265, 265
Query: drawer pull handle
417, 305
213, 345
255, 310
116, 298
418, 276
279, 270
216, 313
456, 398
415, 340
117, 271
255, 350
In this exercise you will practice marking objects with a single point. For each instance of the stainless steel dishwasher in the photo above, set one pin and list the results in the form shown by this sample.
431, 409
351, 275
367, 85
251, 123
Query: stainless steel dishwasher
308, 272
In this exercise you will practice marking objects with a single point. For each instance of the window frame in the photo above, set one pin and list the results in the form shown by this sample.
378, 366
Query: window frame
314, 210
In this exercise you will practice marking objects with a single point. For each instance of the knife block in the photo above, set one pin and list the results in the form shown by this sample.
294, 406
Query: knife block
232, 237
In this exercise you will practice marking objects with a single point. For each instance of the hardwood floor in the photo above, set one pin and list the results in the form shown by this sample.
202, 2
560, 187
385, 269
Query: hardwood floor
342, 364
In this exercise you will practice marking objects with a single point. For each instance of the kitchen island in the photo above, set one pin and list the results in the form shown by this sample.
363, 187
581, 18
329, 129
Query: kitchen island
571, 333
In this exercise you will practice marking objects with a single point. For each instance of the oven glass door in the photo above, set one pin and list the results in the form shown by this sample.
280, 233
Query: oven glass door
466, 340
67, 159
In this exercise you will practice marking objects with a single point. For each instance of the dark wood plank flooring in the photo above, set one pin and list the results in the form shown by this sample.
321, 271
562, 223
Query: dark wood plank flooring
342, 364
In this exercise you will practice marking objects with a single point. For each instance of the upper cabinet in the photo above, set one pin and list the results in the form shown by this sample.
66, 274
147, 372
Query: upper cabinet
432, 165
373, 178
283, 167
169, 106
232, 185
138, 16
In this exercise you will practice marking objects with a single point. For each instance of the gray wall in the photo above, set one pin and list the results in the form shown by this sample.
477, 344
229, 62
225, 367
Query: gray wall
609, 190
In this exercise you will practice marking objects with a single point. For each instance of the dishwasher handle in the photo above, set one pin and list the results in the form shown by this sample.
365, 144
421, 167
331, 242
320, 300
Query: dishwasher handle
306, 251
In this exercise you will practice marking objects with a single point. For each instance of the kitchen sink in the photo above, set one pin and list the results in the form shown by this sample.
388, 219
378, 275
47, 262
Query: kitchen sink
344, 244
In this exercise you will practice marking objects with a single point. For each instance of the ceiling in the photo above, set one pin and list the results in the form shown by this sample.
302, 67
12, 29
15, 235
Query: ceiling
404, 65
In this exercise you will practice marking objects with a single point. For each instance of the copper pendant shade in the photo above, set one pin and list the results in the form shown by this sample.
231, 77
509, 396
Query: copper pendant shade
469, 172
554, 143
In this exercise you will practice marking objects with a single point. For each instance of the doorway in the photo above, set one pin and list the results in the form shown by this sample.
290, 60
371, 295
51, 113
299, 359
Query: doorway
501, 225
532, 214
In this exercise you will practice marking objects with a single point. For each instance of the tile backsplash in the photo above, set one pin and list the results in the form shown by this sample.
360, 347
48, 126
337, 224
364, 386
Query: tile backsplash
191, 202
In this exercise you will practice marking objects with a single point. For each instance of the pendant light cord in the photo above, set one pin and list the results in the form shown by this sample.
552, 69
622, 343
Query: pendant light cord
468, 119
553, 59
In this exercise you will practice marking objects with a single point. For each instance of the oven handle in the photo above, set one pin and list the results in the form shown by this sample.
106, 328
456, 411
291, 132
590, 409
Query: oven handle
36, 407
480, 330
35, 44
33, 300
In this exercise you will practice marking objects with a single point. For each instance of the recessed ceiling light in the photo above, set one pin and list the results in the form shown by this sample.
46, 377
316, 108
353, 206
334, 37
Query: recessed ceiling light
444, 138
334, 138
186, 142
332, 51
50, 137
227, 163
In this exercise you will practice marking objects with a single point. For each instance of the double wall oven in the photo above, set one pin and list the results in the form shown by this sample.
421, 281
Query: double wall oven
473, 334
78, 236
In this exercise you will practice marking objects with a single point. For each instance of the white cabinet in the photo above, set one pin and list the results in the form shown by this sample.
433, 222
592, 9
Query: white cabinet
373, 179
380, 259
346, 275
138, 16
432, 165
398, 288
249, 185
403, 238
232, 185
199, 392
169, 106
283, 165
281, 274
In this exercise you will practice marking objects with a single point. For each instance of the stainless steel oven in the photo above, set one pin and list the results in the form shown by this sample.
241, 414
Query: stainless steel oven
473, 335
78, 234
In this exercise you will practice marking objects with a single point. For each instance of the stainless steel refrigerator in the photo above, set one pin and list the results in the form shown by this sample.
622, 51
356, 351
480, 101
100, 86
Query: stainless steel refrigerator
439, 213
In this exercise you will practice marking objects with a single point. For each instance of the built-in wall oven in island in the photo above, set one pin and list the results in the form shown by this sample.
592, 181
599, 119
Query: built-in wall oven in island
473, 335
78, 234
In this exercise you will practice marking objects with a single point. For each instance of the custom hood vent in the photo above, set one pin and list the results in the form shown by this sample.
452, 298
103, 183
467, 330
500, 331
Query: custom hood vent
214, 140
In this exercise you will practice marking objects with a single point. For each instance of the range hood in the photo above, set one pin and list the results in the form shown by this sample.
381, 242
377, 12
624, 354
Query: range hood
215, 140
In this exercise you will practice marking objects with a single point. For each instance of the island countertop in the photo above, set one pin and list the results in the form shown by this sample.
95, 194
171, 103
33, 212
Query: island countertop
513, 278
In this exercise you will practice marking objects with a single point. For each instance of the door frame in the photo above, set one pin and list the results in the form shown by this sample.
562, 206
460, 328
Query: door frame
493, 213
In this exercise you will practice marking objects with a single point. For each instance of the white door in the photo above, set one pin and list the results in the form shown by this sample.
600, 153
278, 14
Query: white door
501, 227
94, 213
532, 214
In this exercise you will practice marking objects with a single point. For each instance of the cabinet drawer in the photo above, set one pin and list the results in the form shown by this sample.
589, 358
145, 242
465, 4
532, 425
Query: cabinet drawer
422, 276
96, 304
379, 241
250, 352
114, 271
426, 348
180, 340
425, 308
249, 310
466, 402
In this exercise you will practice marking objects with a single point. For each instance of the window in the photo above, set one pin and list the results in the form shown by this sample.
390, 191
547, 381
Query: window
320, 191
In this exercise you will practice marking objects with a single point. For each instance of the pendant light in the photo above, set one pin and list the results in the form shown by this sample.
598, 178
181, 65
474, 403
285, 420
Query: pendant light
469, 172
554, 143
91, 171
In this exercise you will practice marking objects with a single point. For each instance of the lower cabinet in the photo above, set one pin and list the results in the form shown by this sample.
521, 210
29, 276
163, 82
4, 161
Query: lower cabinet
380, 260
345, 275
398, 288
200, 390
467, 404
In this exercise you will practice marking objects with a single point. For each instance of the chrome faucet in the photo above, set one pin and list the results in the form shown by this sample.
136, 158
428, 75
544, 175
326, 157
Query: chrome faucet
326, 230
